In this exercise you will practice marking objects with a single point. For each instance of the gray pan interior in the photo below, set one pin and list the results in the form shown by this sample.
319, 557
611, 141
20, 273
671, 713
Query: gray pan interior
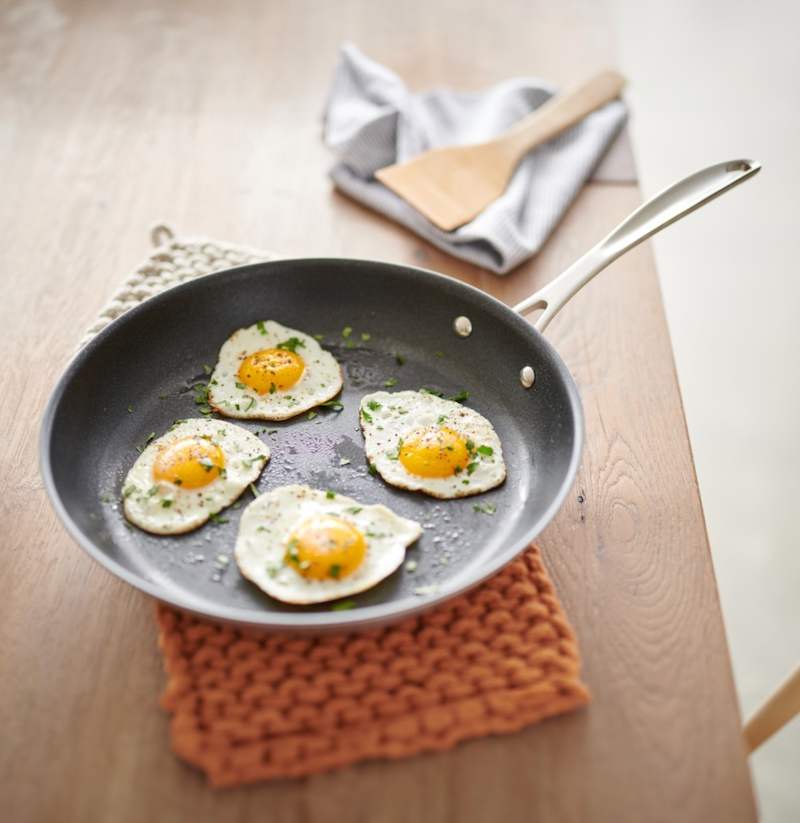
108, 402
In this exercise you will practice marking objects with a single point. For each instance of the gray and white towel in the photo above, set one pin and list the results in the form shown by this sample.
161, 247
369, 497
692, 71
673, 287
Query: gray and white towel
372, 121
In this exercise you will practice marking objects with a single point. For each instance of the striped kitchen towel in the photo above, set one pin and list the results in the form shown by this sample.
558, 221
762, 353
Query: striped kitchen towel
372, 120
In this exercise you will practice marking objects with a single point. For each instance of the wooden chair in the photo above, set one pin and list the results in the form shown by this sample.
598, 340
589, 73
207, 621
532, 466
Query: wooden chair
775, 712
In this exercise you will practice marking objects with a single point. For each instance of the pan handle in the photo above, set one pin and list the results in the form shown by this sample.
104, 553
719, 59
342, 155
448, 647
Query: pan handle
666, 207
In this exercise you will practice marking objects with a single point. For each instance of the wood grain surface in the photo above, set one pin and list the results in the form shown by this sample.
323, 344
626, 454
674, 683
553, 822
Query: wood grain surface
114, 115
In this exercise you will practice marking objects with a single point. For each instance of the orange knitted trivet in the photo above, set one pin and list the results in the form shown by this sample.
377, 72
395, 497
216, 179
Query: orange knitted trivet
250, 706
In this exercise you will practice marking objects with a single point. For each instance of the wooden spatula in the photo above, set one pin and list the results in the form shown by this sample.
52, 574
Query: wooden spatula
454, 184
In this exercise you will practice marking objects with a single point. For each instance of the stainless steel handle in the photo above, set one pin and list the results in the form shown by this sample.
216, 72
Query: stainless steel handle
666, 207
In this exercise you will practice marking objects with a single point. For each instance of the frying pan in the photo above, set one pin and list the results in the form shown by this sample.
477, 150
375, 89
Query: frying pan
412, 329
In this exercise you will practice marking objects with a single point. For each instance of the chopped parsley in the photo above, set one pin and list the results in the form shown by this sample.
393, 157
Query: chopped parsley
260, 327
312, 415
353, 510
163, 396
207, 369
373, 469
333, 404
217, 519
247, 463
365, 336
459, 398
291, 344
392, 381
487, 450
272, 388
335, 570
255, 491
472, 466
330, 495
343, 605
130, 408
239, 385
166, 503
489, 508
430, 391
366, 415
347, 331
400, 359
374, 405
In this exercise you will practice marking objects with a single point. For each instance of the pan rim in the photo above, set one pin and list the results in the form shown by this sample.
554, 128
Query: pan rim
367, 616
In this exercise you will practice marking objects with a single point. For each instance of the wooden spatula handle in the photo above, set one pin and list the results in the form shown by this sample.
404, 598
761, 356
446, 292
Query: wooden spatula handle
560, 112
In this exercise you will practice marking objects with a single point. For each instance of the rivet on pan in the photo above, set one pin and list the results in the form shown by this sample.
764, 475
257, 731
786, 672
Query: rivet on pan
463, 326
527, 376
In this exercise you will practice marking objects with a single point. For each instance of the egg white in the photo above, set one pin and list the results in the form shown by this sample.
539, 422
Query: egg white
267, 523
161, 507
388, 417
320, 381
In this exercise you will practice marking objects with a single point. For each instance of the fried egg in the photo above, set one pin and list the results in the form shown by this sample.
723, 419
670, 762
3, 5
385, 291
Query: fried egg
301, 545
421, 442
271, 372
193, 471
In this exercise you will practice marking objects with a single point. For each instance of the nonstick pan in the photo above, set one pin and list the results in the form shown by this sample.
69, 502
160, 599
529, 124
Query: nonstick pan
411, 329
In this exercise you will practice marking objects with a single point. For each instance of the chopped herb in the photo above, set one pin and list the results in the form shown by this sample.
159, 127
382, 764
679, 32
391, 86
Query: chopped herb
127, 525
177, 481
366, 415
272, 431
130, 408
365, 336
252, 403
344, 461
260, 327
239, 385
472, 466
335, 570
373, 469
255, 491
223, 473
207, 463
394, 454
129, 491
411, 566
374, 405
330, 495
430, 391
441, 418
353, 510
104, 498
163, 396
312, 415
217, 519
400, 359
291, 344
459, 398
376, 535
319, 336
347, 331
272, 388
349, 344
207, 369
489, 508
470, 445
422, 590
334, 404
166, 503
438, 354
343, 605
272, 571
488, 450
153, 490
245, 462
392, 381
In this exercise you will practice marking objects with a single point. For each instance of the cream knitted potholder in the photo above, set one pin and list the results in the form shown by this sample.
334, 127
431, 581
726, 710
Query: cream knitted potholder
175, 260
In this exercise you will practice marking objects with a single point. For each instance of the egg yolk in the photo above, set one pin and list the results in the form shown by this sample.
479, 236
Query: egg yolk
271, 370
190, 462
431, 452
325, 547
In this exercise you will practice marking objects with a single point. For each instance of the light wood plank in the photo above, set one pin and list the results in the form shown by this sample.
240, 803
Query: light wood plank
115, 115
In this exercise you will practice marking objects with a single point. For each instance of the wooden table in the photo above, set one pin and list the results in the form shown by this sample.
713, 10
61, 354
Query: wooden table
114, 115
